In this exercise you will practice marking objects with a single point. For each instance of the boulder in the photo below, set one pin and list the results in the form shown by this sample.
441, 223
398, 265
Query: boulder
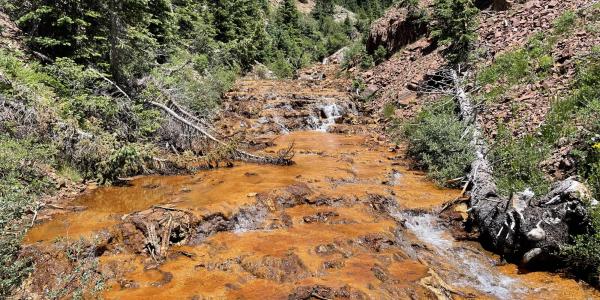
532, 229
337, 57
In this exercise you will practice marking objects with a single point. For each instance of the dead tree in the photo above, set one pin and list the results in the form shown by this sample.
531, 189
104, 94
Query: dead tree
175, 111
523, 228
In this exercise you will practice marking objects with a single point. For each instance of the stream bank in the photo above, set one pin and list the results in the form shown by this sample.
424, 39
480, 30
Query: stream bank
348, 220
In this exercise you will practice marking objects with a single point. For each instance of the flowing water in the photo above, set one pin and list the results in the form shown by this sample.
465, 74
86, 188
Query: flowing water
348, 243
330, 113
347, 221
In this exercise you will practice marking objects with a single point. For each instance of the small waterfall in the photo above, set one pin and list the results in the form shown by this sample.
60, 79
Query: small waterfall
330, 113
459, 265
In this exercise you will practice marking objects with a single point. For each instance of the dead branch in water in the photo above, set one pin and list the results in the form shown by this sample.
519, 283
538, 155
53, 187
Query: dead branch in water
284, 159
182, 116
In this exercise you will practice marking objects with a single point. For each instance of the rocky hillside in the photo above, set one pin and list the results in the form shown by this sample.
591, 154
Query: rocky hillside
532, 77
395, 80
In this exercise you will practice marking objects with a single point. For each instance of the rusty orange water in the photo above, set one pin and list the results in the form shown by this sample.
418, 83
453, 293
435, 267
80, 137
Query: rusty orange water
354, 252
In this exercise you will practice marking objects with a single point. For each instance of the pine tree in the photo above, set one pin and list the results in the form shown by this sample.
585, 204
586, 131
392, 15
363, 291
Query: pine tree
455, 25
323, 9
288, 15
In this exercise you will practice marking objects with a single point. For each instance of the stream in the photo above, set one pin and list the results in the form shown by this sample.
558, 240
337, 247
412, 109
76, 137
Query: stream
348, 220
337, 244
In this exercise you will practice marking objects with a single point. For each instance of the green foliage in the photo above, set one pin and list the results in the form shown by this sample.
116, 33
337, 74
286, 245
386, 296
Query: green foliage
389, 110
517, 162
367, 10
577, 118
454, 26
380, 54
323, 9
436, 143
522, 65
83, 280
582, 108
118, 36
126, 161
583, 255
357, 56
565, 22
21, 180
281, 66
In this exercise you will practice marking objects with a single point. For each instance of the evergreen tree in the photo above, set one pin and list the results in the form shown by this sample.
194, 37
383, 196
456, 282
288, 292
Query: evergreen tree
455, 25
323, 9
241, 24
288, 15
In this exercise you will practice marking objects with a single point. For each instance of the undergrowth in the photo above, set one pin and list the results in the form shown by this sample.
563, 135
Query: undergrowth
22, 180
437, 143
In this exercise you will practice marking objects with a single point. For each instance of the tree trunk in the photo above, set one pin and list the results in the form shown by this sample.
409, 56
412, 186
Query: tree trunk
524, 227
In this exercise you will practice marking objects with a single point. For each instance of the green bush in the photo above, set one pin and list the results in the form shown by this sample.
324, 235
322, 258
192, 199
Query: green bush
565, 22
582, 108
125, 161
455, 25
357, 56
583, 255
527, 64
380, 54
516, 163
281, 67
437, 144
22, 179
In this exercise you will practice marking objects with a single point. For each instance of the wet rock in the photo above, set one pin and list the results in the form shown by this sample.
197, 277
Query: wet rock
224, 266
320, 292
382, 204
334, 264
532, 229
128, 284
320, 217
377, 242
289, 268
284, 221
290, 196
380, 273
327, 249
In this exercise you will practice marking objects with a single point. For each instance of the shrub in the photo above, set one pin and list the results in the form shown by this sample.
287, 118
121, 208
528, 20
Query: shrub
517, 162
21, 181
357, 56
525, 64
389, 109
281, 66
122, 162
380, 54
437, 143
583, 255
565, 22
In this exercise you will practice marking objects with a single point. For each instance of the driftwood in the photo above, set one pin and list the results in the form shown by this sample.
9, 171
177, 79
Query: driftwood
525, 227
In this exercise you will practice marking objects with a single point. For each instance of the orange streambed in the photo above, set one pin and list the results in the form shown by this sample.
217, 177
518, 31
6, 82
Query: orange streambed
353, 252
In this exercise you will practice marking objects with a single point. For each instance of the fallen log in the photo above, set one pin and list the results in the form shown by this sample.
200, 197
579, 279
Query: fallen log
283, 158
523, 228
